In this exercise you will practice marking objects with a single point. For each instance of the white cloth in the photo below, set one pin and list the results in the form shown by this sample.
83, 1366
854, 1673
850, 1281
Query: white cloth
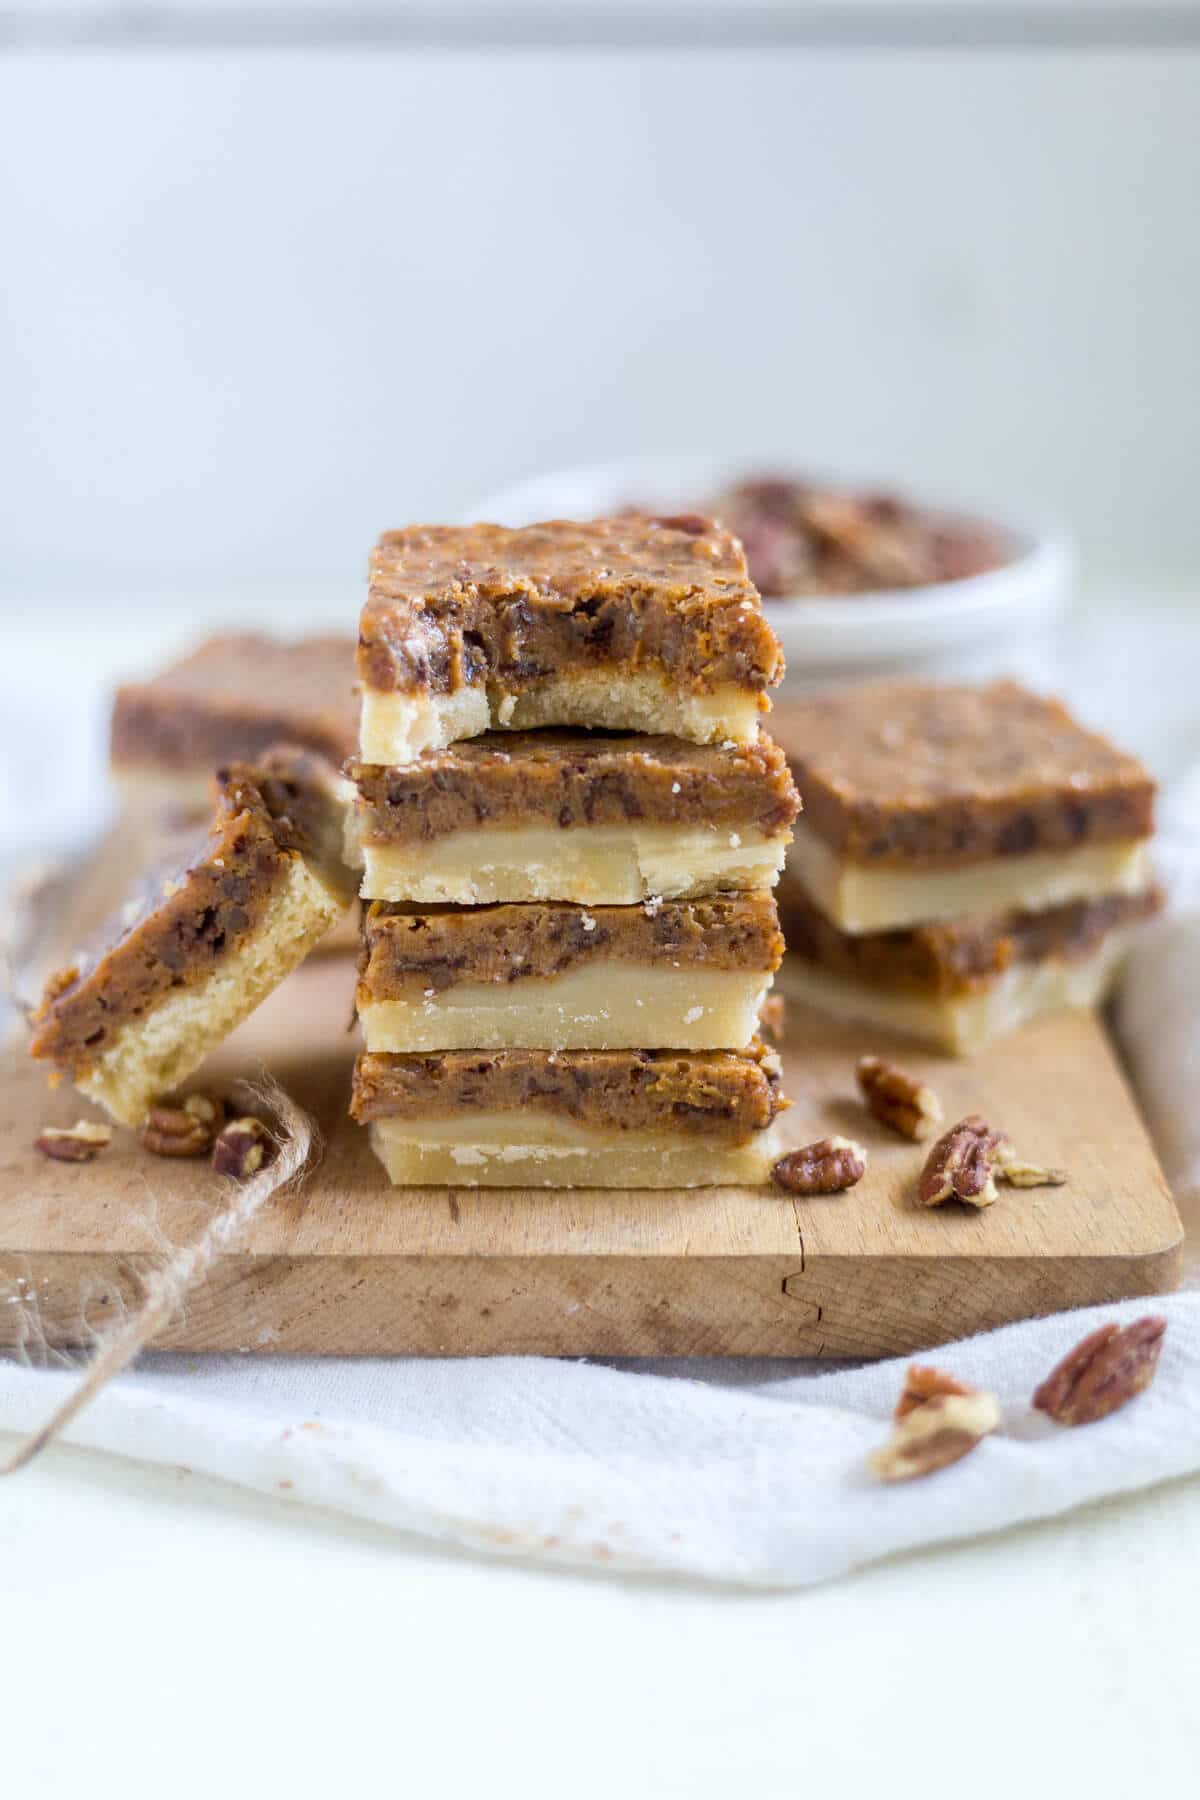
751, 1473
627, 1469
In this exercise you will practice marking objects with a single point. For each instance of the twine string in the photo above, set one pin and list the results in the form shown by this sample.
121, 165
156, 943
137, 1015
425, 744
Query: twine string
168, 1287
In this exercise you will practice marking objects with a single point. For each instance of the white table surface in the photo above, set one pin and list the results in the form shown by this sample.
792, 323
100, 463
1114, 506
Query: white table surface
166, 1635
163, 1634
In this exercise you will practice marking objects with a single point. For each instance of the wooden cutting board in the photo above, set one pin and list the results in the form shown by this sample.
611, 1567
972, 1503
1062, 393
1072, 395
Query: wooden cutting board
349, 1265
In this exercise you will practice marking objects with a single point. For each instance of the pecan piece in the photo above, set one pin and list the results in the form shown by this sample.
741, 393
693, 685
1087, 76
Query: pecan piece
829, 1166
922, 1384
184, 1130
959, 1166
898, 1099
81, 1142
1102, 1373
242, 1149
934, 1434
1018, 1173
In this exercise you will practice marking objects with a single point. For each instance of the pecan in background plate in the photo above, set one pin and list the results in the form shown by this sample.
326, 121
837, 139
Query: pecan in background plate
81, 1142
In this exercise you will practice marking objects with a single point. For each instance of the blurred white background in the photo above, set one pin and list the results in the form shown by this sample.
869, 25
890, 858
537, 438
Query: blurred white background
275, 277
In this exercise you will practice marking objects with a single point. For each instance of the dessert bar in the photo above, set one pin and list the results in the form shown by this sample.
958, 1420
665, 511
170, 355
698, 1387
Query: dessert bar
229, 701
558, 815
925, 802
205, 938
687, 975
629, 624
572, 1118
960, 984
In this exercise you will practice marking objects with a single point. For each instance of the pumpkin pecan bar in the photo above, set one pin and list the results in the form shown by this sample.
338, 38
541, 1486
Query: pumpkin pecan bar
572, 1118
562, 815
959, 984
230, 700
926, 802
628, 624
205, 937
674, 974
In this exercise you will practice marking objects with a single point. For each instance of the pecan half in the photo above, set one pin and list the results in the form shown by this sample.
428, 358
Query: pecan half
922, 1384
898, 1099
829, 1166
1018, 1173
242, 1149
959, 1167
184, 1130
81, 1142
934, 1434
1102, 1373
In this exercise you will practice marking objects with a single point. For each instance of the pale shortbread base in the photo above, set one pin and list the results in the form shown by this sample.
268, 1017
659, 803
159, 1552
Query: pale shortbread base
396, 728
861, 897
151, 1055
527, 1149
598, 865
968, 1022
598, 1006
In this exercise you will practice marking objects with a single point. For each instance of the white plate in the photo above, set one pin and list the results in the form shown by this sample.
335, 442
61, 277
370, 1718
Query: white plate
977, 626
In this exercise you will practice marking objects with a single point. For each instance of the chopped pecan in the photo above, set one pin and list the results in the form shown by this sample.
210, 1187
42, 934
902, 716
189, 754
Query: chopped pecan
829, 1166
242, 1149
1018, 1173
184, 1130
897, 1098
922, 1384
77, 1143
959, 1167
934, 1434
1103, 1372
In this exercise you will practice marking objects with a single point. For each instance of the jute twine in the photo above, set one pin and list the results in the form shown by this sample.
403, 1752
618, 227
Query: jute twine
168, 1287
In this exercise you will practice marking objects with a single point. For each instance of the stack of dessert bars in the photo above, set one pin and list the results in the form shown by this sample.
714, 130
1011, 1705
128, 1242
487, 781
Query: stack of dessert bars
569, 825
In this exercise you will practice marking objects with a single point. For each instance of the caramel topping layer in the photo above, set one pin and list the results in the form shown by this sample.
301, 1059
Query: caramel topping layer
570, 778
438, 948
453, 606
896, 772
966, 954
713, 1093
205, 899
234, 697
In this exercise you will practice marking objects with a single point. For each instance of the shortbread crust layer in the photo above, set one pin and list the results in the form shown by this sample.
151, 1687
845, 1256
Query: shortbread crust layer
902, 773
867, 897
397, 728
598, 1006
503, 1150
616, 865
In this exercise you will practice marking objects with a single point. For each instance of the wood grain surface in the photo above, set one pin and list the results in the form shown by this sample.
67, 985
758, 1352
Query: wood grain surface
350, 1265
